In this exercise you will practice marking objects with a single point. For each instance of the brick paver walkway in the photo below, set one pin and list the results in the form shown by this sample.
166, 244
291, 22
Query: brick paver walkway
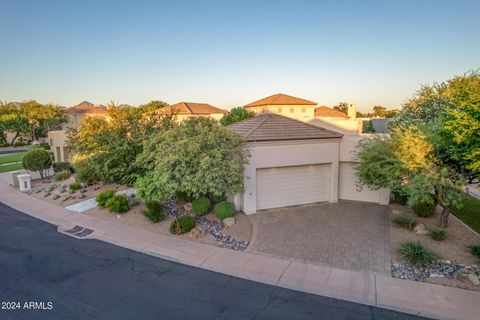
347, 235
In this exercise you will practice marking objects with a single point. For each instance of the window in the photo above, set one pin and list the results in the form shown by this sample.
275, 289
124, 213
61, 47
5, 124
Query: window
303, 110
279, 110
292, 110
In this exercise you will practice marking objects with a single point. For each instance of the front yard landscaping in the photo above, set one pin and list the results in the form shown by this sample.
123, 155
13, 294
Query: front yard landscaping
421, 251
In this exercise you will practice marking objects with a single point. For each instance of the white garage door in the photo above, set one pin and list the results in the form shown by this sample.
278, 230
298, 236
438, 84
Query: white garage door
347, 182
288, 186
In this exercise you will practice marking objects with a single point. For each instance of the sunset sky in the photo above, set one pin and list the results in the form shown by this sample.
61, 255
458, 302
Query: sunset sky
230, 53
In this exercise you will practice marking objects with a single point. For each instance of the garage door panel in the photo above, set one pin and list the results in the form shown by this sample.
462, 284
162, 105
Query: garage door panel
286, 186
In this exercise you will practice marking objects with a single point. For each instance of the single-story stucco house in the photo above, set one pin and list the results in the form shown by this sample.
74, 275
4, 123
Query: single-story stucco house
294, 162
185, 110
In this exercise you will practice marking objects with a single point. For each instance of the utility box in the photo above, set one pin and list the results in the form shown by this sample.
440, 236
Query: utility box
25, 182
15, 178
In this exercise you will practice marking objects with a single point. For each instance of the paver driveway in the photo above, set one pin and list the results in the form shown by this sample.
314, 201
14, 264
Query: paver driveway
348, 235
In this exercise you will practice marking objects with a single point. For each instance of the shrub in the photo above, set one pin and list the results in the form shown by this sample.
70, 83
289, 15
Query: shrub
117, 204
182, 224
45, 146
154, 211
405, 221
424, 208
400, 196
201, 205
62, 175
416, 254
224, 209
86, 172
437, 234
75, 186
37, 159
19, 144
55, 197
62, 166
183, 196
475, 251
103, 196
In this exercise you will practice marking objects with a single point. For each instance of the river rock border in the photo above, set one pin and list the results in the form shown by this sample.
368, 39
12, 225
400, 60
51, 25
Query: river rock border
442, 269
214, 227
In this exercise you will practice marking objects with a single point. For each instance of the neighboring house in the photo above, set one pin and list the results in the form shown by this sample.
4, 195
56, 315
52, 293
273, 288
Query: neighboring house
57, 139
292, 163
283, 104
185, 110
337, 120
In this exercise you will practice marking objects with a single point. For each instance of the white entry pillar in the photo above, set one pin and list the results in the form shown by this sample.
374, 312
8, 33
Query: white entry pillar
25, 182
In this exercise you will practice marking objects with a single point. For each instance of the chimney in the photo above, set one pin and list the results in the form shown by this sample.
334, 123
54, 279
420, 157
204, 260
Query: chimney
352, 111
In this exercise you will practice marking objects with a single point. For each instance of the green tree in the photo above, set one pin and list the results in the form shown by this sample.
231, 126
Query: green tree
38, 159
379, 111
236, 115
450, 112
197, 158
13, 120
106, 150
342, 107
406, 161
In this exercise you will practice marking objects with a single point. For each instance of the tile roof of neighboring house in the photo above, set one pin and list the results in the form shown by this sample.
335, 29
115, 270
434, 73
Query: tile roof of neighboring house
86, 107
274, 127
196, 108
280, 99
328, 112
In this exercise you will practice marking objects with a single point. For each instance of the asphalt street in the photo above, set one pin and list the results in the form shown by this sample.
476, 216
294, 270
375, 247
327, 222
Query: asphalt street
10, 151
47, 275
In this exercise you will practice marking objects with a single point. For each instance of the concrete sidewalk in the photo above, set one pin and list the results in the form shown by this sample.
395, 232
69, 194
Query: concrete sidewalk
366, 288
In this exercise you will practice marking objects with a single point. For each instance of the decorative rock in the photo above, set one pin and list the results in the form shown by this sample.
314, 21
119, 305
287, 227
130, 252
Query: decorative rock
473, 279
197, 232
187, 207
395, 211
420, 229
229, 222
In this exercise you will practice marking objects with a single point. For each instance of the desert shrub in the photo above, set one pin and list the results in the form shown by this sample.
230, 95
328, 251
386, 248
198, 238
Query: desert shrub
117, 204
19, 144
75, 186
224, 209
154, 211
182, 224
62, 166
437, 234
416, 254
405, 221
86, 172
183, 196
475, 251
45, 146
424, 208
103, 196
201, 205
62, 175
55, 197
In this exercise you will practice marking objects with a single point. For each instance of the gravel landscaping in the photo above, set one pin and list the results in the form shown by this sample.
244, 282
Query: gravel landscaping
455, 262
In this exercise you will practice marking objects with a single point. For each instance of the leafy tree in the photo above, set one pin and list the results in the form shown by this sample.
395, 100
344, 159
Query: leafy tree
38, 159
152, 105
198, 158
450, 112
11, 119
342, 107
106, 150
406, 161
379, 111
236, 115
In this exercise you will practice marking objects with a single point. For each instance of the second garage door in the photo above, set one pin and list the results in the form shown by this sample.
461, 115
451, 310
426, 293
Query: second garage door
288, 186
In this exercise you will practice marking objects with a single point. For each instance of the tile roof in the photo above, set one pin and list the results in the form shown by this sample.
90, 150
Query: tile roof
274, 127
280, 99
195, 108
328, 112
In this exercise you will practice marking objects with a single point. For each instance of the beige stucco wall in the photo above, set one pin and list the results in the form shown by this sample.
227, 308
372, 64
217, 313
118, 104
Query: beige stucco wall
300, 112
342, 125
287, 153
57, 140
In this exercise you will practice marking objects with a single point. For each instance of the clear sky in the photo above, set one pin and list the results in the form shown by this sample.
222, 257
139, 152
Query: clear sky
229, 53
